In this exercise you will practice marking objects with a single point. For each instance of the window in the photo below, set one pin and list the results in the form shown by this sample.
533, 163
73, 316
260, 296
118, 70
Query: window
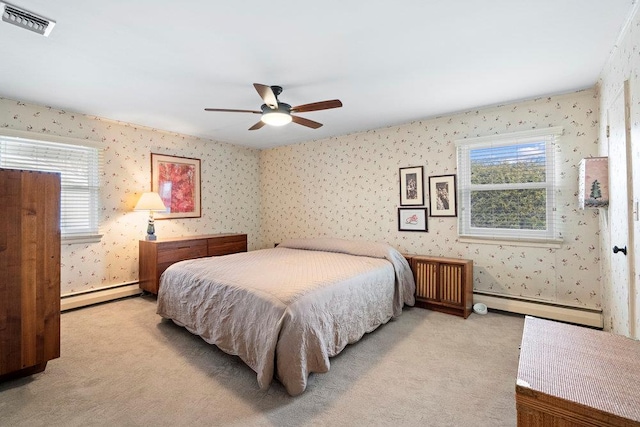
79, 163
507, 187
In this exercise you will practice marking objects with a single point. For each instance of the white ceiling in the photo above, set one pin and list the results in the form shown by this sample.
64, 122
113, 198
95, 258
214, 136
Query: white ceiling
159, 63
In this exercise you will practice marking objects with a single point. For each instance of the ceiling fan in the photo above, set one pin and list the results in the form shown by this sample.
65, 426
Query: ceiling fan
276, 113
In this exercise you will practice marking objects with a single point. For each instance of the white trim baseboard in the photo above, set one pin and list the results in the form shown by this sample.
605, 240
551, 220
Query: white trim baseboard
575, 315
96, 296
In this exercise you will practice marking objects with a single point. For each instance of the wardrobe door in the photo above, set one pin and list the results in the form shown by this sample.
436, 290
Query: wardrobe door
29, 271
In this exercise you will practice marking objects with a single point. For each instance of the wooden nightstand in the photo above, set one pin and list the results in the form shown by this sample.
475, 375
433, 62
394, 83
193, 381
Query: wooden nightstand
443, 284
157, 255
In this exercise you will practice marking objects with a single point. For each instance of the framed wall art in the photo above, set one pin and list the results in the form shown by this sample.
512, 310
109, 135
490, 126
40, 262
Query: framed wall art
177, 181
411, 186
593, 183
412, 219
442, 195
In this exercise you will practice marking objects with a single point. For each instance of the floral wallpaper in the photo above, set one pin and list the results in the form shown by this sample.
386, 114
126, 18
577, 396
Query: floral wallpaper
348, 187
229, 204
621, 302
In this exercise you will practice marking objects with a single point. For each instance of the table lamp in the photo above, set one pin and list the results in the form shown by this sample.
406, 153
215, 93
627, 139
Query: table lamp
153, 203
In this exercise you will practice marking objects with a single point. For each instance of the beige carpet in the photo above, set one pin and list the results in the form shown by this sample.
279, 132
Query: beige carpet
122, 365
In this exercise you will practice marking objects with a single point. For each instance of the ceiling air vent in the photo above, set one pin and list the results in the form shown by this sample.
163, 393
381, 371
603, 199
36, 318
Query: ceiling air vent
25, 19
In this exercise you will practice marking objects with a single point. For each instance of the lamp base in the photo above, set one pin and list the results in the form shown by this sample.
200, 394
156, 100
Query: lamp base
151, 229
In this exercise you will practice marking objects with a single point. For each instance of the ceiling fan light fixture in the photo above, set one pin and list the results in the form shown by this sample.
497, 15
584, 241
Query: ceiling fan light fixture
276, 118
276, 113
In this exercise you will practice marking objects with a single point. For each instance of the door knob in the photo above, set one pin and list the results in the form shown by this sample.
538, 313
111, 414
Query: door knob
617, 249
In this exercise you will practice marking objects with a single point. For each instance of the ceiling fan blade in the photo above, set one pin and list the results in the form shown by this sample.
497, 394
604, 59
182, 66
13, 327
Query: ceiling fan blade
306, 122
315, 106
267, 95
233, 111
257, 125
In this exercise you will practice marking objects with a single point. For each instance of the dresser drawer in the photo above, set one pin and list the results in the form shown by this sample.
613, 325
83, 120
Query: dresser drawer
157, 255
181, 250
227, 245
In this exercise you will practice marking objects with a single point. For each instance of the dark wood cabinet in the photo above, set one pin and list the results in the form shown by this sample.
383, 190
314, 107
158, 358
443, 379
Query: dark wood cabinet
157, 255
29, 271
443, 284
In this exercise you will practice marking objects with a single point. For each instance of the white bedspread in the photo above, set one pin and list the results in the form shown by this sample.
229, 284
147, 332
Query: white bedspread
289, 308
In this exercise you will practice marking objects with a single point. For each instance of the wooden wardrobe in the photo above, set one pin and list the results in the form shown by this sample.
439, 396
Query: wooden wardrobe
29, 271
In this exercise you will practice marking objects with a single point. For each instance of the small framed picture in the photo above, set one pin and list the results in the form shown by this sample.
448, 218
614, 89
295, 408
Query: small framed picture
412, 219
411, 186
177, 181
442, 195
594, 182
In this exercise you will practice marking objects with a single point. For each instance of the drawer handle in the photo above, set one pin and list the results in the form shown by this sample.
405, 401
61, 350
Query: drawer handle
184, 247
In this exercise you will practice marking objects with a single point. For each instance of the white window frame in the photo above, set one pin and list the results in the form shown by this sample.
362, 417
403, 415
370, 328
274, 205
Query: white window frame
464, 147
92, 233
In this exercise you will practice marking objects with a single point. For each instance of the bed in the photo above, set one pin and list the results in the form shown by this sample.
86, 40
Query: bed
285, 311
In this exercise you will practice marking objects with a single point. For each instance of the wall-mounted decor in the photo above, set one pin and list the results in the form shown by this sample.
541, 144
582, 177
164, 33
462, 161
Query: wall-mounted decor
442, 195
594, 183
177, 181
412, 219
411, 186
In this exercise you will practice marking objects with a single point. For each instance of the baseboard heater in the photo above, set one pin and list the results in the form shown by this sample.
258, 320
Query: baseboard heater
580, 316
96, 296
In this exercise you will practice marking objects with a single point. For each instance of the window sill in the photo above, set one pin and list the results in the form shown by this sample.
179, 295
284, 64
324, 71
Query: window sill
85, 238
538, 243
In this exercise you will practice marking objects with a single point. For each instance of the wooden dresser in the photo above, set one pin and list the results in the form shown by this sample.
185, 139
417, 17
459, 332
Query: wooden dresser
575, 376
157, 255
443, 284
29, 271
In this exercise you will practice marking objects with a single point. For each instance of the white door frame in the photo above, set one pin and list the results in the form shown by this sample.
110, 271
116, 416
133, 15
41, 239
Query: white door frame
628, 306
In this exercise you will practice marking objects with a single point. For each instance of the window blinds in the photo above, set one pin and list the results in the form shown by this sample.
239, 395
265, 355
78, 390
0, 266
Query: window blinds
80, 168
507, 186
